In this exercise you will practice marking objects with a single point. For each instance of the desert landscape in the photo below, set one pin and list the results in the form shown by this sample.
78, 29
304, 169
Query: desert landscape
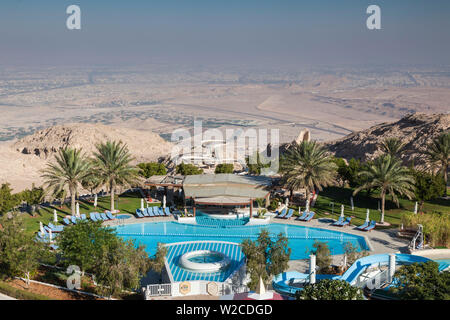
143, 105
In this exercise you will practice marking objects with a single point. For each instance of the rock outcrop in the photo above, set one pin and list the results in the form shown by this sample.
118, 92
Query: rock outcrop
415, 130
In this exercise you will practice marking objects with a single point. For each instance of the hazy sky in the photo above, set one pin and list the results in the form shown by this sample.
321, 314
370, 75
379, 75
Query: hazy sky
261, 33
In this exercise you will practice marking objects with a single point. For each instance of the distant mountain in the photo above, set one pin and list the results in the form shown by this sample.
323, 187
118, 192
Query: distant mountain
416, 130
23, 160
144, 145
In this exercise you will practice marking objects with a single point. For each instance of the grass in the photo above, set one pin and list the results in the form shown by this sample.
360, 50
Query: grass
128, 203
361, 201
13, 292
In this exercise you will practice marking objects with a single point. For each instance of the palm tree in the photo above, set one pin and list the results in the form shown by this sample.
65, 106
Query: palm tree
307, 165
70, 169
438, 155
387, 174
392, 146
112, 166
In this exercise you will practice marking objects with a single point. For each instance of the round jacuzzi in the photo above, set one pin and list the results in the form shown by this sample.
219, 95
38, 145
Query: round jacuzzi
204, 261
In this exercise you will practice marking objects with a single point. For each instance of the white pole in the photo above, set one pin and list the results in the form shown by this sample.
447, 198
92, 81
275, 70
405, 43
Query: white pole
164, 202
312, 269
142, 204
50, 235
416, 208
342, 210
41, 228
95, 201
344, 261
55, 216
367, 215
307, 206
351, 203
287, 202
391, 266
78, 209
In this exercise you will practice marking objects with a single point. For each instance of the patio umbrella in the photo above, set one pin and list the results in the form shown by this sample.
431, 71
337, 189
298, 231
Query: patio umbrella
307, 206
142, 204
50, 235
95, 201
77, 207
351, 204
287, 202
367, 216
55, 216
164, 202
415, 208
41, 228
261, 289
342, 210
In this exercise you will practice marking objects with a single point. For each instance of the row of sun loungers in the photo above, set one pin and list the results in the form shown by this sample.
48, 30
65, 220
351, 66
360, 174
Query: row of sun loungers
307, 216
285, 214
153, 212
102, 216
74, 219
342, 222
367, 226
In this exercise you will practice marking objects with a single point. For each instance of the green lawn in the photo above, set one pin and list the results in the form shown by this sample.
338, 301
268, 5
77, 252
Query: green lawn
128, 203
362, 202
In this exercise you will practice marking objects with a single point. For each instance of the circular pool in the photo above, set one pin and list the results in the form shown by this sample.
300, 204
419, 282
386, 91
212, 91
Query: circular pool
204, 261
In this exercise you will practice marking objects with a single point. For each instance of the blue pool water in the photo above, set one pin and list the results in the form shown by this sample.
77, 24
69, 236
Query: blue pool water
301, 239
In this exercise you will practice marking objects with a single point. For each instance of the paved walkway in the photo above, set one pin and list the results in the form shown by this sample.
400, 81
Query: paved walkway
5, 297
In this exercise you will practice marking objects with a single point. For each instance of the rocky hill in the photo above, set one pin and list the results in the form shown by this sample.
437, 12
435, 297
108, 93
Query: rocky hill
22, 160
416, 130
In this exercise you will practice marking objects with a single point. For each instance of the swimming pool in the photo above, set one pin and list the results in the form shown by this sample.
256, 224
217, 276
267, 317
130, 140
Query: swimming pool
301, 239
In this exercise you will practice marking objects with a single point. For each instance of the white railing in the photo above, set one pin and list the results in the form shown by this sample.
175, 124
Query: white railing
153, 290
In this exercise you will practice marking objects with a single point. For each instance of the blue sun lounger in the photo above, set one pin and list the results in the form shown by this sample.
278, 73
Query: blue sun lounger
303, 216
104, 217
66, 221
97, 215
109, 215
363, 226
145, 212
290, 213
93, 217
139, 213
54, 228
148, 212
346, 222
83, 217
73, 219
167, 211
310, 216
155, 211
371, 226
282, 213
160, 211
339, 222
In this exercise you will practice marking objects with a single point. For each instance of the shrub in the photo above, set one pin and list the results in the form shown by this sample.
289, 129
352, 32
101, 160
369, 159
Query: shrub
330, 290
224, 168
323, 255
436, 227
422, 281
187, 169
148, 169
